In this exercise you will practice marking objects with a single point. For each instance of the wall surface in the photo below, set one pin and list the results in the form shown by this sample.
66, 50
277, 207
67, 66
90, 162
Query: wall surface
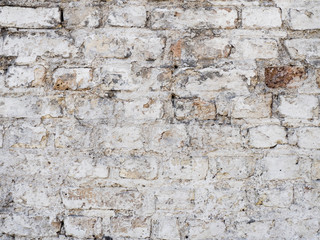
150, 119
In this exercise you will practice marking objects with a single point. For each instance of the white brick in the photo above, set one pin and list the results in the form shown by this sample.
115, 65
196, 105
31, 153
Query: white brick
206, 230
139, 167
77, 14
102, 198
22, 76
303, 48
132, 227
29, 17
309, 137
29, 47
27, 136
267, 136
127, 16
89, 170
302, 106
82, 227
249, 48
174, 199
261, 17
193, 18
166, 227
282, 167
186, 167
252, 106
72, 78
232, 167
30, 107
302, 19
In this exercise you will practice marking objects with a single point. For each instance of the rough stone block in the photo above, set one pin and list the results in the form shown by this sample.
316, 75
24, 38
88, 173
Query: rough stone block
304, 18
22, 76
72, 78
282, 167
177, 18
127, 16
206, 230
165, 227
303, 48
302, 106
309, 137
21, 17
276, 77
82, 227
261, 17
267, 136
252, 106
129, 226
102, 198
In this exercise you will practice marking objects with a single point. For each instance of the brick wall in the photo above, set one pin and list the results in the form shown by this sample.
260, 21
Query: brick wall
156, 119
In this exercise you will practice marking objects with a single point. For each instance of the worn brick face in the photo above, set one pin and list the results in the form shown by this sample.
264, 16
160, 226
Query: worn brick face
164, 120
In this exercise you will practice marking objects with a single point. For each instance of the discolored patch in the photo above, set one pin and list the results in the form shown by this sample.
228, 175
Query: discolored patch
65, 82
277, 77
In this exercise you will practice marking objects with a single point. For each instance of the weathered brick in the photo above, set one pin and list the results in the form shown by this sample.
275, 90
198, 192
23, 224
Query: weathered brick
250, 48
200, 18
267, 136
261, 17
206, 230
139, 167
308, 137
121, 44
22, 17
174, 199
102, 198
22, 76
29, 226
29, 46
77, 14
302, 19
232, 167
165, 227
30, 107
282, 167
87, 169
72, 78
282, 76
127, 16
82, 227
25, 135
302, 106
133, 227
303, 48
252, 106
186, 167
187, 109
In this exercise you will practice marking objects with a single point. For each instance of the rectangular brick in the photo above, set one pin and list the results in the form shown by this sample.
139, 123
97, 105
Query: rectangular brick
250, 48
261, 17
303, 48
186, 167
165, 227
72, 79
21, 17
252, 106
82, 226
127, 16
79, 14
199, 229
28, 46
282, 167
30, 107
129, 226
309, 137
193, 18
102, 198
174, 199
267, 136
25, 135
300, 107
122, 44
304, 19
